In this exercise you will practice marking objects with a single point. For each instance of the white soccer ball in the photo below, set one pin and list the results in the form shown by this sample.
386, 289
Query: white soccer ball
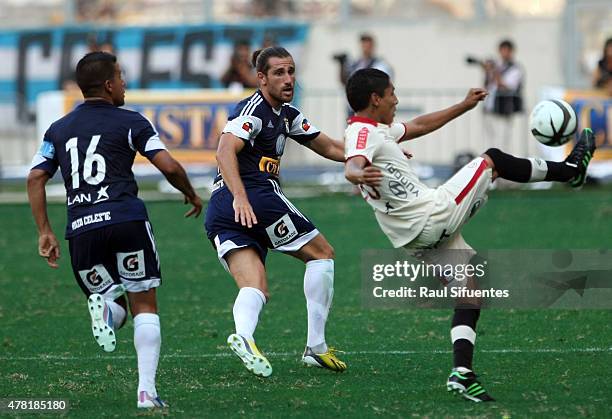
553, 122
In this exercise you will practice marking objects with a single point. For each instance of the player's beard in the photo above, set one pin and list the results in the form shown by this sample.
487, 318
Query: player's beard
283, 95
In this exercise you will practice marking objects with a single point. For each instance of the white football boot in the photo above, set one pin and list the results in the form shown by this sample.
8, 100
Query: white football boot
250, 355
146, 401
101, 322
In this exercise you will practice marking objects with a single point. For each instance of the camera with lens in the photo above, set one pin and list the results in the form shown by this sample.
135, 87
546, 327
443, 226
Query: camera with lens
471, 60
341, 57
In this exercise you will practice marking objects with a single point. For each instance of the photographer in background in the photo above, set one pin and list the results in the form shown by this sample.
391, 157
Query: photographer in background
368, 59
602, 77
504, 80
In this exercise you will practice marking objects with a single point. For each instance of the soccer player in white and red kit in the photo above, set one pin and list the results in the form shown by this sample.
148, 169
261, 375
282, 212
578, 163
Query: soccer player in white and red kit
415, 216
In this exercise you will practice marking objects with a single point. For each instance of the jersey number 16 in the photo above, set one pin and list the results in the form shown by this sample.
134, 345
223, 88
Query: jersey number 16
91, 157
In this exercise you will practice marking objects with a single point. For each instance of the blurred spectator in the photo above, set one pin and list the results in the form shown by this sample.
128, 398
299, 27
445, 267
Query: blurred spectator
88, 10
602, 77
105, 47
272, 8
70, 85
268, 42
368, 59
240, 73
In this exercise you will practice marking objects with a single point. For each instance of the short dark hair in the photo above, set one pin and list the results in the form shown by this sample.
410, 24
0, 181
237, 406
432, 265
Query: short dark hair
366, 37
93, 70
362, 84
506, 43
261, 57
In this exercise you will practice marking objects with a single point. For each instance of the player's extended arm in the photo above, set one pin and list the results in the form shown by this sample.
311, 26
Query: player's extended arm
327, 147
359, 171
427, 123
174, 172
48, 246
229, 147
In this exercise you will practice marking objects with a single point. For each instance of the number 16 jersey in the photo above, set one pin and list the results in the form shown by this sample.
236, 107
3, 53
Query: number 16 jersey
94, 146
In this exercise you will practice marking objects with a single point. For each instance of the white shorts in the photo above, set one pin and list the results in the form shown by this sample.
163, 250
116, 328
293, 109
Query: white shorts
457, 200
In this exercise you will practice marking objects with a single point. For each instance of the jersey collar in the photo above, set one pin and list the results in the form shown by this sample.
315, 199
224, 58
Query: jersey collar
96, 102
362, 119
276, 112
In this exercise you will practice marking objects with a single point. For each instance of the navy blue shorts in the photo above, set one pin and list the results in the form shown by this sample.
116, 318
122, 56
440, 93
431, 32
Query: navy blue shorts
280, 225
115, 257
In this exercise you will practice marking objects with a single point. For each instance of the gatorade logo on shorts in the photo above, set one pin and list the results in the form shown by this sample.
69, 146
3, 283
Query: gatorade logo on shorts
96, 279
131, 265
282, 231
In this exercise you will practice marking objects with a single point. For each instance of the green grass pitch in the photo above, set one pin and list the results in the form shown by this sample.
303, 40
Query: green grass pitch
537, 363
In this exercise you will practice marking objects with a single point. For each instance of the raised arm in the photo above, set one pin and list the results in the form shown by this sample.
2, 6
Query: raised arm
327, 147
229, 147
424, 124
175, 174
48, 246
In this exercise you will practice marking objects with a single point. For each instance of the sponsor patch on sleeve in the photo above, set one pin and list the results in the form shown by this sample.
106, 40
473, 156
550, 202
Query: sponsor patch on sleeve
362, 138
305, 124
47, 149
248, 127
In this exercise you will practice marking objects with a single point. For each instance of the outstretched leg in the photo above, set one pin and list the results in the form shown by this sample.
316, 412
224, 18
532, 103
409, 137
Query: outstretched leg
523, 170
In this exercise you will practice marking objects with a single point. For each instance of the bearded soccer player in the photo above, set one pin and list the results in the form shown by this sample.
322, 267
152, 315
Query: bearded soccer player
249, 214
111, 242
426, 218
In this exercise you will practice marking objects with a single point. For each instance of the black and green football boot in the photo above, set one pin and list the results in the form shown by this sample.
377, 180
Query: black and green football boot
466, 385
581, 156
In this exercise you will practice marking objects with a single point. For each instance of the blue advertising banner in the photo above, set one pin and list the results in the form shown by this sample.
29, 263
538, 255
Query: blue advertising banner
189, 122
172, 57
594, 110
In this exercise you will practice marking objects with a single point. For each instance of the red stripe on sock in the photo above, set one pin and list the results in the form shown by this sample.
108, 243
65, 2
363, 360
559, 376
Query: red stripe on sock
471, 183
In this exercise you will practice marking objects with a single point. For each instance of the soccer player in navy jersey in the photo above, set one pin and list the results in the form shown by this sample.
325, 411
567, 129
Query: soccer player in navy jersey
111, 242
249, 214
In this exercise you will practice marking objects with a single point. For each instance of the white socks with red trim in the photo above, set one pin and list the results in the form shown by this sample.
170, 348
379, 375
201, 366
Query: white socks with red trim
147, 341
319, 291
247, 307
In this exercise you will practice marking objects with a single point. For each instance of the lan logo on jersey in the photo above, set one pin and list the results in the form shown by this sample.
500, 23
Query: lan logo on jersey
248, 127
305, 125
